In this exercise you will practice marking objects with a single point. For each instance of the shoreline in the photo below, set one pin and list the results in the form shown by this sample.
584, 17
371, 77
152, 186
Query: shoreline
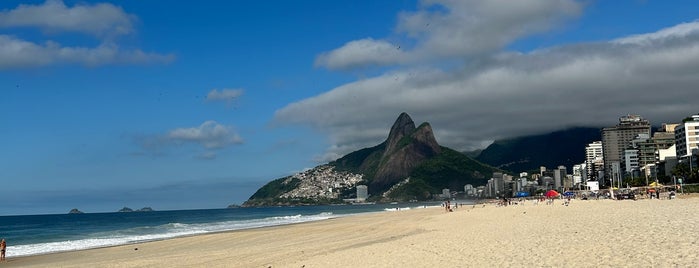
334, 216
587, 233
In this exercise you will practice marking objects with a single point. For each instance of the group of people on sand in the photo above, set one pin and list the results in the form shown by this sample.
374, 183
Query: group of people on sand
449, 207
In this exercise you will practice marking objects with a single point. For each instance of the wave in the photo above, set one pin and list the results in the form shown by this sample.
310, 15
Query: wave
159, 232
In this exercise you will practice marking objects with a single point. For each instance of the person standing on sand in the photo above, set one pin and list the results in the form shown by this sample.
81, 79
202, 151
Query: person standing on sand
3, 247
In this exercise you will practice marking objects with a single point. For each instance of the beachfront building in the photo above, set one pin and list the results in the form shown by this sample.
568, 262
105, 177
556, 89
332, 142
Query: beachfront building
500, 185
362, 193
579, 174
631, 161
546, 182
446, 193
664, 139
687, 141
469, 190
615, 141
559, 176
594, 160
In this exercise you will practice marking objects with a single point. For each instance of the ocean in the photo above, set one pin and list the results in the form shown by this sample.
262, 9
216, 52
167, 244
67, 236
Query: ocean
41, 234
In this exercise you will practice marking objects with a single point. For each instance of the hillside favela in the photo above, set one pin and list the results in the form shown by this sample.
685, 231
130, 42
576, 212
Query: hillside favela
349, 133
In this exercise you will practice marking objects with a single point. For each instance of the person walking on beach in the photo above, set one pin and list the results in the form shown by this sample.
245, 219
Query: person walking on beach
3, 247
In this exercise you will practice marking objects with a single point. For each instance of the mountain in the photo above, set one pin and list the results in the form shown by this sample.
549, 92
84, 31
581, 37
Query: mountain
565, 147
408, 165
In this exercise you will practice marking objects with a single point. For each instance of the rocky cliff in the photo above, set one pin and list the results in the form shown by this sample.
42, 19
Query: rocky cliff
406, 148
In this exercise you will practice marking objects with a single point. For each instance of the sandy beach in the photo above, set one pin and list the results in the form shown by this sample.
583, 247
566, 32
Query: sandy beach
588, 233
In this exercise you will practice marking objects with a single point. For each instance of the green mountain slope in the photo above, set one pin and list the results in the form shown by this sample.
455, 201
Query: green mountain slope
565, 147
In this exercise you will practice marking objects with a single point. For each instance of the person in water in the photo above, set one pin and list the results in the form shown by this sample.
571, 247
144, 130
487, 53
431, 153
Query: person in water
3, 247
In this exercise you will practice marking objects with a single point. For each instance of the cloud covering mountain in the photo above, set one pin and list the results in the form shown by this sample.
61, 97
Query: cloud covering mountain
454, 68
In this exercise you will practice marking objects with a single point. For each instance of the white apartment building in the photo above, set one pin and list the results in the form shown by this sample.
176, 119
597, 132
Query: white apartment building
594, 159
687, 137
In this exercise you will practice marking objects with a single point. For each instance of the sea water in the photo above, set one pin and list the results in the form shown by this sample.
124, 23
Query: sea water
41, 234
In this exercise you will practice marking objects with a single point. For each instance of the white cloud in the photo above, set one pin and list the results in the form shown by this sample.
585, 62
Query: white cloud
210, 135
224, 95
17, 53
513, 94
361, 53
443, 29
679, 31
102, 19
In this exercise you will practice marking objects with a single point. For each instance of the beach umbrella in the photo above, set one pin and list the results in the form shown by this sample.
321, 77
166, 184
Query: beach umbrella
551, 193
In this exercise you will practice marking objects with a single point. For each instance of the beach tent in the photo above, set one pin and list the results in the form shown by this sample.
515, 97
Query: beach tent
521, 194
655, 184
551, 193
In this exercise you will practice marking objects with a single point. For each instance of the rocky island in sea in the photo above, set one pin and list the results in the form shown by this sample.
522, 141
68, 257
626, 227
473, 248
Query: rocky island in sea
75, 211
144, 209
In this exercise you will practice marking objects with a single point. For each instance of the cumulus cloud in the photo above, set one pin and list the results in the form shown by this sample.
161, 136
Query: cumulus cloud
209, 136
103, 21
17, 53
361, 53
224, 95
453, 28
509, 94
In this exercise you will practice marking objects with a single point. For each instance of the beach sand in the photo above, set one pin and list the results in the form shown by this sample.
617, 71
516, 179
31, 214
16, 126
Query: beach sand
588, 233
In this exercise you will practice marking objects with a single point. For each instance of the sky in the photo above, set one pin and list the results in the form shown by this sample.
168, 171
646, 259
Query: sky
175, 105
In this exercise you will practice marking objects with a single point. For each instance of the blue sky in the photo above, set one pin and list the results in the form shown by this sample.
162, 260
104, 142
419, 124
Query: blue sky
167, 104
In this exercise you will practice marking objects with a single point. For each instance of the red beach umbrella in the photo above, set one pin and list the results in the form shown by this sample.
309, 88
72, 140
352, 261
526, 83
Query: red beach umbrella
551, 193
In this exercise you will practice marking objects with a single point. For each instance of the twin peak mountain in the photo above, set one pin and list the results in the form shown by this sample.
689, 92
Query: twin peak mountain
409, 165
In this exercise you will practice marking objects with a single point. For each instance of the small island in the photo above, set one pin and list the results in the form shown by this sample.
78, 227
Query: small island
75, 211
144, 209
126, 209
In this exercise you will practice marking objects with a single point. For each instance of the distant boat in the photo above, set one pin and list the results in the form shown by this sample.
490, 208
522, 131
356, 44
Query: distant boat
363, 203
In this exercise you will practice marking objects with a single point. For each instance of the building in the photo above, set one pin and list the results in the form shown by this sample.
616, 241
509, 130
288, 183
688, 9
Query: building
579, 175
615, 141
559, 176
362, 193
469, 190
687, 137
631, 161
594, 160
644, 153
446, 193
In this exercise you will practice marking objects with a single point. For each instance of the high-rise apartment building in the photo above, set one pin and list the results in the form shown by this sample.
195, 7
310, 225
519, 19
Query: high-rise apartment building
559, 176
594, 160
362, 193
615, 141
687, 137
